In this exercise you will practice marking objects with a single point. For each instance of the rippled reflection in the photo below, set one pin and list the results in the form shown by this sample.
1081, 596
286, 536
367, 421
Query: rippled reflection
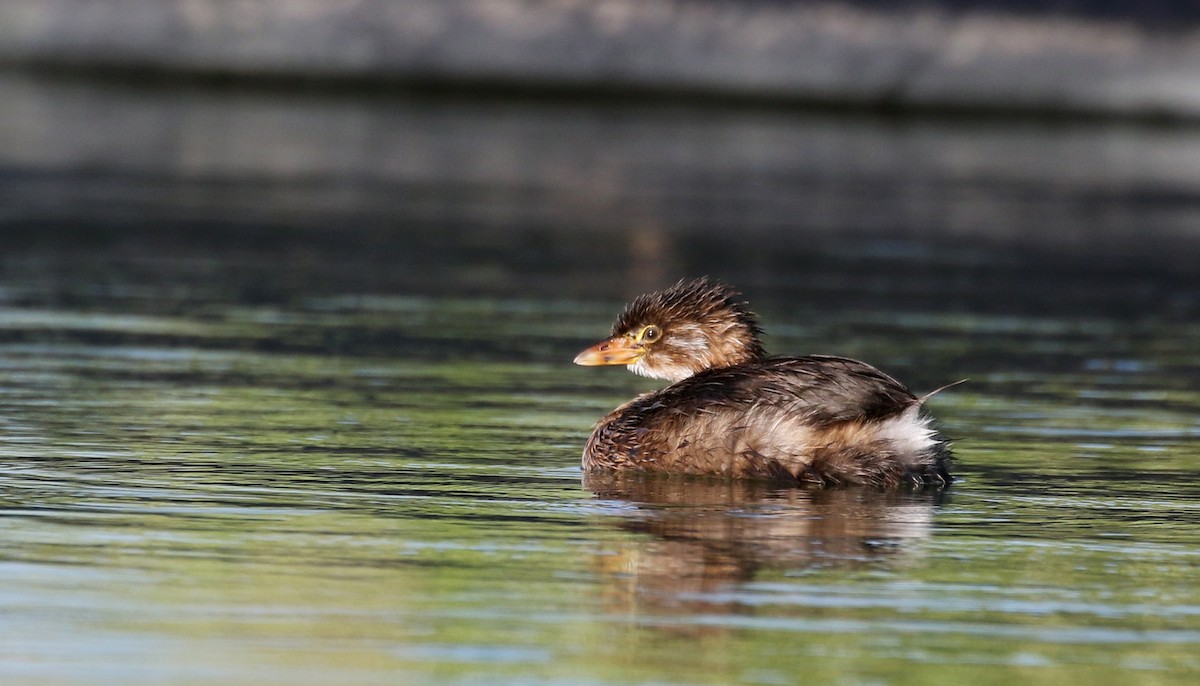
702, 537
286, 394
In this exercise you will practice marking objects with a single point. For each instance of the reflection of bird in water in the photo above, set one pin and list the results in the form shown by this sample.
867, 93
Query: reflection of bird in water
705, 537
733, 411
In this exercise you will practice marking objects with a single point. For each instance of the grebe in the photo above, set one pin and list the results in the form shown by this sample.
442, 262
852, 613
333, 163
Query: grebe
731, 411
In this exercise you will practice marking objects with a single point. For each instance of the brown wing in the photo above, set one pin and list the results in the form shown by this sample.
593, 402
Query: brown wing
820, 388
706, 423
830, 389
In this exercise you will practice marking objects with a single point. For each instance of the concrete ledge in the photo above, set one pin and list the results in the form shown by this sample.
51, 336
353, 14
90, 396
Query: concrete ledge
825, 52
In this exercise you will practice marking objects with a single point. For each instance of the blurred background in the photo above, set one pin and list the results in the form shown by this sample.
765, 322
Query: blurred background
289, 291
966, 154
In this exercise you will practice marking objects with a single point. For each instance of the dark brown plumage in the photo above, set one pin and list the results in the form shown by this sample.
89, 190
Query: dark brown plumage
731, 411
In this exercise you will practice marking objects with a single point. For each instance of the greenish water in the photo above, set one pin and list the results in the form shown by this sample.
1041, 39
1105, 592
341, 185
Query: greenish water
286, 393
386, 490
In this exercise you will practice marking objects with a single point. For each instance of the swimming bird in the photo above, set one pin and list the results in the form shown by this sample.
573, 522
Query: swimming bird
732, 411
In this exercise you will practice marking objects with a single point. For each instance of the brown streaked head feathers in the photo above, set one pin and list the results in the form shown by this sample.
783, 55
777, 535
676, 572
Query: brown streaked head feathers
674, 333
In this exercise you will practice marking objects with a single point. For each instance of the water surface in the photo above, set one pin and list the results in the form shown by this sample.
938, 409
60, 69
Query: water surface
322, 451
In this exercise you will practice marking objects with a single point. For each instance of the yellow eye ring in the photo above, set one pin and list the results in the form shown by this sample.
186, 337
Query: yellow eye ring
649, 334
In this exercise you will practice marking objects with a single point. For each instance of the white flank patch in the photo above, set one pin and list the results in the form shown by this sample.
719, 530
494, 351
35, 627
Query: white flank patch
909, 432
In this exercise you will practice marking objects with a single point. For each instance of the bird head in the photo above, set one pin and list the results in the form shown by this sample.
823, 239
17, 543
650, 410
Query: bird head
676, 332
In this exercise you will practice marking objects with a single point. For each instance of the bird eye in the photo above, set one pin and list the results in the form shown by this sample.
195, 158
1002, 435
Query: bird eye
650, 334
